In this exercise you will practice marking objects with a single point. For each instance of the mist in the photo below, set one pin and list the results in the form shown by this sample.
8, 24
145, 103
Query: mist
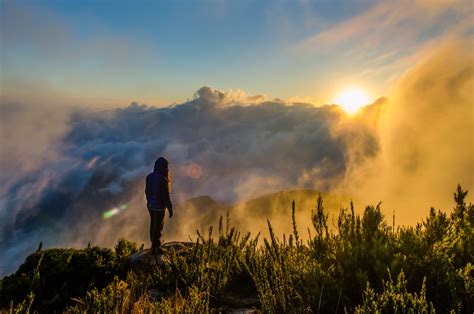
67, 167
62, 168
426, 138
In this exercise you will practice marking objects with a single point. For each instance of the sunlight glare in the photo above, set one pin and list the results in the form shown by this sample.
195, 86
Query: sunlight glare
352, 99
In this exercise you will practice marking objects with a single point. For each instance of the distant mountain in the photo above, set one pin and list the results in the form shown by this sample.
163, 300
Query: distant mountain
280, 203
251, 216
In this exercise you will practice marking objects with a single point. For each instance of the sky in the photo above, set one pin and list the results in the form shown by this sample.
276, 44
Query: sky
110, 53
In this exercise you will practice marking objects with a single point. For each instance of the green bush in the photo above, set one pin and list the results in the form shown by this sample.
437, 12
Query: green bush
346, 270
56, 275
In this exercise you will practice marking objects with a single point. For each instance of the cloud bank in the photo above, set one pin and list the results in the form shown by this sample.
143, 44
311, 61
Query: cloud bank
62, 169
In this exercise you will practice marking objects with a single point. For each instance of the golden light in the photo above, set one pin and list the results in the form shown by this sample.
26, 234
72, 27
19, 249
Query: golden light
352, 99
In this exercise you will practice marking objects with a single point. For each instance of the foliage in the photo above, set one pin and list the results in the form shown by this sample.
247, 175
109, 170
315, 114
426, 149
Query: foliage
54, 276
395, 299
350, 269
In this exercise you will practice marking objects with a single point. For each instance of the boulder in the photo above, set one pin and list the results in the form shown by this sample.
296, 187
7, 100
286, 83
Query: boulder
144, 262
155, 294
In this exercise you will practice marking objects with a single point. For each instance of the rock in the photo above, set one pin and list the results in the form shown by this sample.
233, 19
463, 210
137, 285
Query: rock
243, 311
179, 247
155, 295
231, 310
144, 262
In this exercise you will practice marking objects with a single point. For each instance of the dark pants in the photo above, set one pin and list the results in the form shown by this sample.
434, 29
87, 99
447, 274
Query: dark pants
156, 226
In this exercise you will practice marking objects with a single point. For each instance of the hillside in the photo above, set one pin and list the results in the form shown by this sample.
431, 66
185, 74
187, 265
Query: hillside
362, 265
251, 215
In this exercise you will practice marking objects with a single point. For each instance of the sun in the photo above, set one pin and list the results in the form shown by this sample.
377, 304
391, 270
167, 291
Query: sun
352, 99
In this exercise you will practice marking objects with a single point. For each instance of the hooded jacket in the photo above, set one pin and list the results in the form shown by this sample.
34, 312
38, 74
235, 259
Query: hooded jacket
157, 189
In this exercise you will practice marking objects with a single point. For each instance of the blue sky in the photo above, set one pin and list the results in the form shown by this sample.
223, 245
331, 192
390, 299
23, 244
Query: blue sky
161, 52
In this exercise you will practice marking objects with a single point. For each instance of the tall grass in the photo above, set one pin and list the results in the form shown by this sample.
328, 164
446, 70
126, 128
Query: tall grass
365, 265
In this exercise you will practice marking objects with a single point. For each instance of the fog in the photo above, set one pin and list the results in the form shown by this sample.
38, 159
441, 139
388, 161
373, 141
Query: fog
426, 138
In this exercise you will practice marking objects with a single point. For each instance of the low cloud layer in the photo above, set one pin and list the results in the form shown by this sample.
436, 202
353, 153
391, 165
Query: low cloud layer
61, 169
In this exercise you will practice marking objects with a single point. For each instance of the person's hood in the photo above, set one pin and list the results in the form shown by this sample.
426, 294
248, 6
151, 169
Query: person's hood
161, 166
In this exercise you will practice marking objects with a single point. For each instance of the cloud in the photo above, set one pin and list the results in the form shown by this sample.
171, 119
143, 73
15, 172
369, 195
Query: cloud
396, 23
382, 42
28, 135
206, 95
70, 166
426, 138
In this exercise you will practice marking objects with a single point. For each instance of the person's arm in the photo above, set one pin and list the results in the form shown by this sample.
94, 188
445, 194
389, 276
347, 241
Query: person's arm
166, 196
148, 190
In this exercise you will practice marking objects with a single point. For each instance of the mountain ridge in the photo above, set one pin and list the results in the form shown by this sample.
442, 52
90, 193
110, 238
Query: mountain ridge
252, 215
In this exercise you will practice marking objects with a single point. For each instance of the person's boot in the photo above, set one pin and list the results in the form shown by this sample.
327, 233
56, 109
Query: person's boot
155, 248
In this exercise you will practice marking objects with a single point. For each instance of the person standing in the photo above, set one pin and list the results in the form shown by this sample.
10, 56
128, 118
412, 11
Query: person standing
157, 191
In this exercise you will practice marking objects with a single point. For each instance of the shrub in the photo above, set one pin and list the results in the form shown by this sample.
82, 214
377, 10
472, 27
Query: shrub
347, 270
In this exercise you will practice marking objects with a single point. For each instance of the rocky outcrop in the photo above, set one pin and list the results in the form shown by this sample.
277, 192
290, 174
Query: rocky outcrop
144, 261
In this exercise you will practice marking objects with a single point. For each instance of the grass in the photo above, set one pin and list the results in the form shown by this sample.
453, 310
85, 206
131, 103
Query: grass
364, 266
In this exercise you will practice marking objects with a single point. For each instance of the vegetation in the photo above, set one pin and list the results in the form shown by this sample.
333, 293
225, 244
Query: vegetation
365, 265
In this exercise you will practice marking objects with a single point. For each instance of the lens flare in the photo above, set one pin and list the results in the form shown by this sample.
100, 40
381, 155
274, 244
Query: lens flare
91, 164
193, 170
114, 211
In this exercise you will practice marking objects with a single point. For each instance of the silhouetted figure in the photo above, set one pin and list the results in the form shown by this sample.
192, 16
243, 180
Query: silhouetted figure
157, 193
